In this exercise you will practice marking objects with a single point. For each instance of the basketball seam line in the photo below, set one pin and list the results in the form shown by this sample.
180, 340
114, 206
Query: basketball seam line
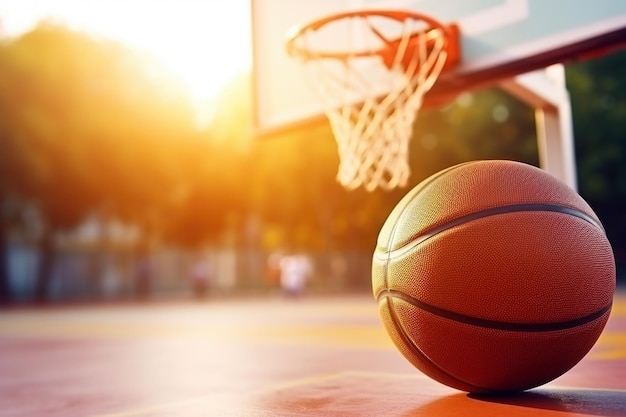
494, 324
421, 186
409, 341
512, 208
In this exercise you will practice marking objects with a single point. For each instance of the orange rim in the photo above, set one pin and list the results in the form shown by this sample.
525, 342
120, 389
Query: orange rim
296, 50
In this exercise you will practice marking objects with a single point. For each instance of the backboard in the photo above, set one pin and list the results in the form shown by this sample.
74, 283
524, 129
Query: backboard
499, 39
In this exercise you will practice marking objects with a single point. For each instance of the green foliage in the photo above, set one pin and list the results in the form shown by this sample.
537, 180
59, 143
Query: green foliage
88, 129
481, 125
597, 89
599, 109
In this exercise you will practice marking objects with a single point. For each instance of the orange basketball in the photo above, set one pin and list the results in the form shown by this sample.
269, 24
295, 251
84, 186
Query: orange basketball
493, 276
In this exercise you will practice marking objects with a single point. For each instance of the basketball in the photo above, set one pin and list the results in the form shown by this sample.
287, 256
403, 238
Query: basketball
493, 277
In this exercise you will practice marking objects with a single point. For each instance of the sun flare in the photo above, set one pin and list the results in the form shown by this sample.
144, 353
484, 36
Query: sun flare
205, 43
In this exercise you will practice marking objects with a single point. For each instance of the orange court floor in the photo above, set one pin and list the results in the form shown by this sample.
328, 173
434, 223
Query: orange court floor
259, 356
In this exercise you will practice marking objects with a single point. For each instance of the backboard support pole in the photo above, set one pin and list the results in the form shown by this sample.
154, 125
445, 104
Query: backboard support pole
545, 90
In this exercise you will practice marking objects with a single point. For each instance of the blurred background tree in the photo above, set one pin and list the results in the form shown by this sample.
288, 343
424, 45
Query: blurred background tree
89, 127
598, 93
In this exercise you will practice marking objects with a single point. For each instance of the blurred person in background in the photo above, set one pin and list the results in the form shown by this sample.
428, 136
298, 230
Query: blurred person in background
201, 276
295, 271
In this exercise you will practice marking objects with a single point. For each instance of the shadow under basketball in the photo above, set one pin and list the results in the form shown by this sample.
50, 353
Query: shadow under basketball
606, 403
365, 394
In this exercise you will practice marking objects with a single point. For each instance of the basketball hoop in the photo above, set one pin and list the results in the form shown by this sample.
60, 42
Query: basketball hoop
371, 69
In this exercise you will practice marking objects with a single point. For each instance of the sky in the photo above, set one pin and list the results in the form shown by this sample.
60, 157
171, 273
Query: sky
205, 42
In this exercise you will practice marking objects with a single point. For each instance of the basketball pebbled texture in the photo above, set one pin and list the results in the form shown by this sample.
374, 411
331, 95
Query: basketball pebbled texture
493, 276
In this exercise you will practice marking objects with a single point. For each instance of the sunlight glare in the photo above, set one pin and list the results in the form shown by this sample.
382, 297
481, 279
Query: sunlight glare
206, 43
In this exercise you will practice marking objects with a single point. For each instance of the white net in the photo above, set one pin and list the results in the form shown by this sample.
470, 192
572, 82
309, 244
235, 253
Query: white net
372, 95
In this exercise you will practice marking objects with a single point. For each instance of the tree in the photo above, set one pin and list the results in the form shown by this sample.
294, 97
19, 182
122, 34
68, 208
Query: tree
215, 181
599, 109
92, 127
487, 124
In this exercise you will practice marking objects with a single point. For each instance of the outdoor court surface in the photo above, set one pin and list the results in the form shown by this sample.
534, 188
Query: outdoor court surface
258, 356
